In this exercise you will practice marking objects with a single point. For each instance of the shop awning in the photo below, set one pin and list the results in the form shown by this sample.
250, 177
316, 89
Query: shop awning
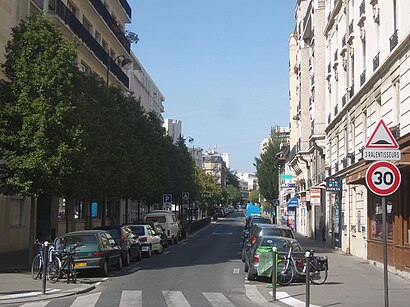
293, 202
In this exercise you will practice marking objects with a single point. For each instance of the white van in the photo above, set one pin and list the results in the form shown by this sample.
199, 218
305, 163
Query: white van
167, 220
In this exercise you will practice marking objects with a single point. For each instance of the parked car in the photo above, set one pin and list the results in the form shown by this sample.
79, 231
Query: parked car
127, 240
149, 239
167, 220
253, 219
258, 230
157, 228
252, 257
97, 250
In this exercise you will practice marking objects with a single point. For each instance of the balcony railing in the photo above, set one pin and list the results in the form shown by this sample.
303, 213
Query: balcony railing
394, 39
363, 77
376, 61
126, 6
112, 23
62, 11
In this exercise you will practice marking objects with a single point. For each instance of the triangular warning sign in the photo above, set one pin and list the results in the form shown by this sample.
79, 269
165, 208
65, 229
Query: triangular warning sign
382, 138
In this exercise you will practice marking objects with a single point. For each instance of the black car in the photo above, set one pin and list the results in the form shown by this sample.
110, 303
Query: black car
258, 230
127, 240
158, 229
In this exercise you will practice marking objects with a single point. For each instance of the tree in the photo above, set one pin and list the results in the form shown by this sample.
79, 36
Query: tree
39, 137
267, 168
254, 195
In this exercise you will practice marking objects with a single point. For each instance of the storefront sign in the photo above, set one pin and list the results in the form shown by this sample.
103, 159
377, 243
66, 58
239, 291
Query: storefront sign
315, 196
333, 184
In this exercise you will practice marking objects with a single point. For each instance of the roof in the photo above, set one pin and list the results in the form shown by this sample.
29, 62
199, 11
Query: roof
86, 232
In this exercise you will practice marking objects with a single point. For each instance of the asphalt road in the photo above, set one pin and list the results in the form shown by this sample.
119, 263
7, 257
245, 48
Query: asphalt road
203, 270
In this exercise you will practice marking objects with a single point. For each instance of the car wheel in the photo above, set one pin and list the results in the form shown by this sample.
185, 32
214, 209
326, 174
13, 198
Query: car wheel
119, 264
161, 249
251, 276
127, 259
139, 254
243, 255
104, 269
246, 267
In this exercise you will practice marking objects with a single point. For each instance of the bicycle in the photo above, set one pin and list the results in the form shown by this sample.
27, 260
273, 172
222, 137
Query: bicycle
65, 265
288, 266
38, 261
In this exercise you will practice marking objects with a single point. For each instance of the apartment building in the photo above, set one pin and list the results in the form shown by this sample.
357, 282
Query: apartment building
173, 128
364, 78
99, 27
307, 117
367, 50
214, 164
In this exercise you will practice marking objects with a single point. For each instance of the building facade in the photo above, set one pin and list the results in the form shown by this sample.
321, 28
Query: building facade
358, 54
173, 128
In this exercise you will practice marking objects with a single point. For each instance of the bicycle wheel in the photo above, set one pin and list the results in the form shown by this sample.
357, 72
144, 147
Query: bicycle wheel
36, 267
318, 277
285, 274
54, 269
72, 273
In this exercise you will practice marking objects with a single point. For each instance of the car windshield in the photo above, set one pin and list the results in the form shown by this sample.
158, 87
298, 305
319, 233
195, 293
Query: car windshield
82, 239
277, 232
159, 219
261, 220
138, 230
115, 233
282, 245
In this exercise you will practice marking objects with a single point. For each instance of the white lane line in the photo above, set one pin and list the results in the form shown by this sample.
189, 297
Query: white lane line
217, 299
131, 298
175, 299
254, 295
86, 300
289, 300
35, 304
236, 270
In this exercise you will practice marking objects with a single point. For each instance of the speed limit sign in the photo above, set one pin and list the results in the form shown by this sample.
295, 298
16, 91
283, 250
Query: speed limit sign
383, 178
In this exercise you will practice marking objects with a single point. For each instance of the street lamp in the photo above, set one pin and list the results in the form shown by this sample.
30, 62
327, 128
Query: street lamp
125, 63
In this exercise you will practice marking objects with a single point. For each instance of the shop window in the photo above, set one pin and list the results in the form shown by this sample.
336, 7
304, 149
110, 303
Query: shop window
16, 212
376, 219
79, 210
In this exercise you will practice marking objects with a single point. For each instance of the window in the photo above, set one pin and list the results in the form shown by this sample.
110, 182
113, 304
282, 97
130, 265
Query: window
79, 210
97, 36
87, 25
85, 68
376, 219
17, 212
72, 8
61, 208
104, 45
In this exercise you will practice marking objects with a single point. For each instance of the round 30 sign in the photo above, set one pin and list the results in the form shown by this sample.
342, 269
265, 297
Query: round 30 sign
383, 178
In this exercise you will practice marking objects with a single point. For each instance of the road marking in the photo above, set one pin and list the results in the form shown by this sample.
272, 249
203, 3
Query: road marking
131, 298
86, 300
35, 304
254, 295
236, 270
217, 299
175, 299
285, 298
27, 294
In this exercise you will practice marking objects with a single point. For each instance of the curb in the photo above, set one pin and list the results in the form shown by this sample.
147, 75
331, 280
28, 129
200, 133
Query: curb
52, 294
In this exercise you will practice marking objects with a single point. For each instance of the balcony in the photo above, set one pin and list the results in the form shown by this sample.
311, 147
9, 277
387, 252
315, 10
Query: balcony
111, 23
376, 61
363, 77
394, 39
61, 10
126, 7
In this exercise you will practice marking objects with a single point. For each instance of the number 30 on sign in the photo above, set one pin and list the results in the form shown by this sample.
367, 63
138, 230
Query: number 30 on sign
383, 178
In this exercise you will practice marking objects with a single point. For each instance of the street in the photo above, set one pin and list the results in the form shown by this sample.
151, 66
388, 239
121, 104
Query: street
206, 270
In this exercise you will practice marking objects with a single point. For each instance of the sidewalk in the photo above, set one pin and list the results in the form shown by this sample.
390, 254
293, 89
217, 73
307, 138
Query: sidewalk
21, 288
352, 281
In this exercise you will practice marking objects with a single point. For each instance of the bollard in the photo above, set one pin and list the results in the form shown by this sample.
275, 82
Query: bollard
307, 257
45, 264
274, 272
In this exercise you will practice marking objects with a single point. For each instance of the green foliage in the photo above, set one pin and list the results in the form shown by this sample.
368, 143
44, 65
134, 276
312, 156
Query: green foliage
267, 168
254, 196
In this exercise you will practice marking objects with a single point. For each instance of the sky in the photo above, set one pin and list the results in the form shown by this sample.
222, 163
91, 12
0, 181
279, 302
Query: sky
222, 66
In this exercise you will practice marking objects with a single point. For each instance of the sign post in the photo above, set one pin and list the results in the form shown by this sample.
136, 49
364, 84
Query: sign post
383, 178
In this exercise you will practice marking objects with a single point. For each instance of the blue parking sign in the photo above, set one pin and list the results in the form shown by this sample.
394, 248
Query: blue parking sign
167, 198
